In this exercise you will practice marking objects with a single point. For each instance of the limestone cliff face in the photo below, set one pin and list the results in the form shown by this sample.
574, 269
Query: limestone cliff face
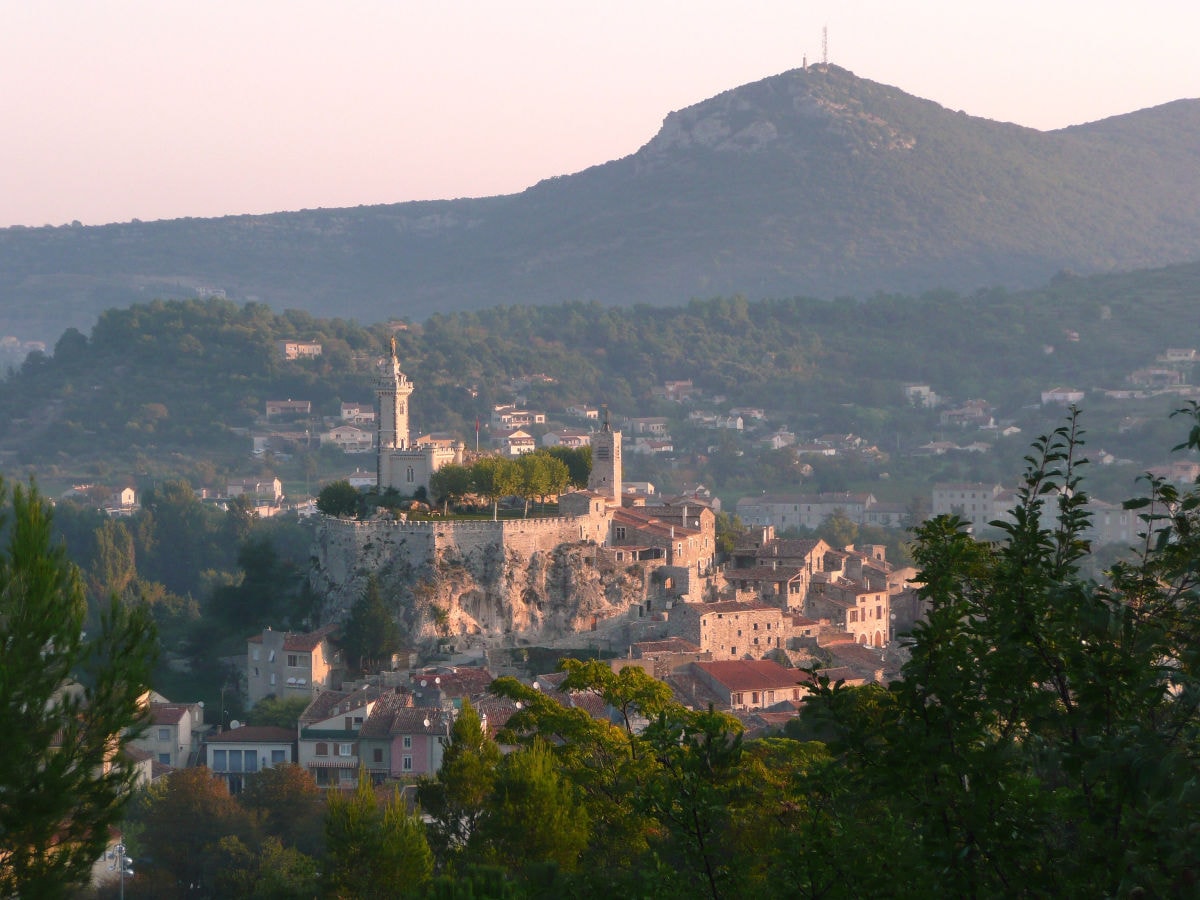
490, 585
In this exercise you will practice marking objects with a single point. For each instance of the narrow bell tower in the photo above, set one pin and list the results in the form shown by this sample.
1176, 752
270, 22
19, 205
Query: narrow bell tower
605, 477
392, 390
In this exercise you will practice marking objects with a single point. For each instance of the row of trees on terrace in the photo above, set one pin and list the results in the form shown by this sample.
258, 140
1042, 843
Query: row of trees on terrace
532, 476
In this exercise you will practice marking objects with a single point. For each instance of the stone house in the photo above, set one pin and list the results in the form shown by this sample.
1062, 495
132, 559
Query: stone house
287, 664
730, 629
746, 684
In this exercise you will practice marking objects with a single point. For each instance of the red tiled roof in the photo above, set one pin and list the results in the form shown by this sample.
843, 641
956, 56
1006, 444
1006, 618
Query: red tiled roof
324, 703
750, 674
248, 734
412, 719
167, 713
726, 606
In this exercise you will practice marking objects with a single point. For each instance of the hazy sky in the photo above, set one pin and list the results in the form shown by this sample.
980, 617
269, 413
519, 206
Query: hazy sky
121, 109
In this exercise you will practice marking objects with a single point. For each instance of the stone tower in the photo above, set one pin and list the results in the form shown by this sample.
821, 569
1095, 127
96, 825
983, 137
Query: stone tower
605, 477
392, 390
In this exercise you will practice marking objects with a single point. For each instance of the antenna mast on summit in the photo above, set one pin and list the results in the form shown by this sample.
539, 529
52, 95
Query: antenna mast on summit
824, 45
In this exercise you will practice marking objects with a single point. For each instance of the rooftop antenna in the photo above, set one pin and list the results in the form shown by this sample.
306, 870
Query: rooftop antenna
824, 45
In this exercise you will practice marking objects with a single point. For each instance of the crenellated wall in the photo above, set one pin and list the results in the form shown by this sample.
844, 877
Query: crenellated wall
484, 582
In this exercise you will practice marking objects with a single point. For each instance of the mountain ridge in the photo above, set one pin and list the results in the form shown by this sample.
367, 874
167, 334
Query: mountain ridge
812, 182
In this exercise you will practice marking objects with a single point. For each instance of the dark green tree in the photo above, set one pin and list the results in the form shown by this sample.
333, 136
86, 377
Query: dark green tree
534, 818
456, 798
578, 461
370, 634
339, 498
374, 851
68, 703
450, 484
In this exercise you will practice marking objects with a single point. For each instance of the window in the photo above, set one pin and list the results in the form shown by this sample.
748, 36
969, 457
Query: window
235, 760
377, 754
407, 764
733, 651
256, 671
754, 697
756, 626
272, 678
254, 654
271, 658
164, 758
737, 698
218, 761
345, 749
164, 734
278, 756
739, 632
293, 660
409, 476
322, 750
408, 742
251, 760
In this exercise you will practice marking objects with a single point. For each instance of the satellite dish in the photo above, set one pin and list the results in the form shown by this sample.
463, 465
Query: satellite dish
426, 723
234, 723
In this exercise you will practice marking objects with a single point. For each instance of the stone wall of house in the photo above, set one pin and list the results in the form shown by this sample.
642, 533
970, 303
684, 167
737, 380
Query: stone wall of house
482, 583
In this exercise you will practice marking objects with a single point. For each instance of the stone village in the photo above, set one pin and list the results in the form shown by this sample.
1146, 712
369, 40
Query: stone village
630, 575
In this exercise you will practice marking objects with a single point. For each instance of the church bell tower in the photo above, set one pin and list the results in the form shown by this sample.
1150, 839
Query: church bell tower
605, 477
392, 390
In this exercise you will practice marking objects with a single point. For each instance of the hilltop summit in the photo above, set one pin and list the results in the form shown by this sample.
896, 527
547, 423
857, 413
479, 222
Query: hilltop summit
812, 182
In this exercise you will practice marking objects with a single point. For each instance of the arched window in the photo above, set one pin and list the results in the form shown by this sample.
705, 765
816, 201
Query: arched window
409, 475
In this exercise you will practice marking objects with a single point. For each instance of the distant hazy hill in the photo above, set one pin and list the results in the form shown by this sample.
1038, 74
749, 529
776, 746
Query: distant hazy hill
808, 183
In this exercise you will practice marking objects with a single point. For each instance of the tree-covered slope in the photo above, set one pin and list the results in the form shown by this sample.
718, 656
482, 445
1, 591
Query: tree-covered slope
188, 379
811, 182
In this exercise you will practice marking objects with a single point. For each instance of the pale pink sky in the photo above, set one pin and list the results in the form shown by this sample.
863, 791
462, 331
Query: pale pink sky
121, 109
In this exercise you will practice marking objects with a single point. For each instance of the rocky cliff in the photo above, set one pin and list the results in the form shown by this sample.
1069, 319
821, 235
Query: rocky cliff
493, 584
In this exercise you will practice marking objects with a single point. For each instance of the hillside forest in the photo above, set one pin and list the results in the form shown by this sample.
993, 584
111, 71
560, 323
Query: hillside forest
174, 389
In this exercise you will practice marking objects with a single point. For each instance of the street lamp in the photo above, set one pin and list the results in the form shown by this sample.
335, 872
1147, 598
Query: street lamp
119, 862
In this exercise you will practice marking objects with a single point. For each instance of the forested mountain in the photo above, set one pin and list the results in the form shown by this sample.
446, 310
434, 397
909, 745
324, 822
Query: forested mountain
175, 387
811, 182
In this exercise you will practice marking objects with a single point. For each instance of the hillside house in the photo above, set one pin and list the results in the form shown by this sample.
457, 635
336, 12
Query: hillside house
358, 413
247, 750
299, 349
290, 408
751, 684
174, 732
328, 744
268, 491
802, 510
516, 442
572, 438
1063, 396
287, 664
350, 439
